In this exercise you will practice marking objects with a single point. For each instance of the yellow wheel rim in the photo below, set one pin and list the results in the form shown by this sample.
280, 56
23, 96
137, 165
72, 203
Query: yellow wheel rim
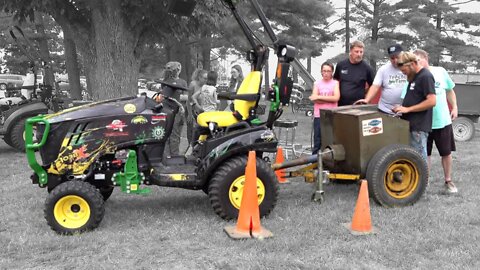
72, 212
235, 191
401, 179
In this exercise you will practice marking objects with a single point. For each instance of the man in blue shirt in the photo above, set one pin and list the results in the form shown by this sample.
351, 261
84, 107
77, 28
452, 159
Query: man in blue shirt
442, 132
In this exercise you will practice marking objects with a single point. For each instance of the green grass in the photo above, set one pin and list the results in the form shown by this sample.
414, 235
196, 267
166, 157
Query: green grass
177, 229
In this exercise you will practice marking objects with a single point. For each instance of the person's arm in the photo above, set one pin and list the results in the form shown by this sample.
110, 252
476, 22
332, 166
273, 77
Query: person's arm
313, 97
370, 76
428, 103
452, 99
195, 100
215, 97
371, 93
336, 74
331, 99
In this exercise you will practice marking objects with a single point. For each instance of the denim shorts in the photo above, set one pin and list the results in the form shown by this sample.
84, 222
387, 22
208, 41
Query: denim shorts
418, 140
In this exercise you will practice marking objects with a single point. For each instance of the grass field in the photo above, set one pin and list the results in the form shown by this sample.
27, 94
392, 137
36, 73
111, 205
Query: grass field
177, 229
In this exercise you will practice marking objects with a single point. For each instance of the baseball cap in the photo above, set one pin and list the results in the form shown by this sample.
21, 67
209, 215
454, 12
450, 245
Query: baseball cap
173, 65
394, 49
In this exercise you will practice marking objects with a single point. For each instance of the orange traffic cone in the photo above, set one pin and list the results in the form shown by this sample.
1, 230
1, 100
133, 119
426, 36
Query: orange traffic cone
280, 173
248, 223
361, 221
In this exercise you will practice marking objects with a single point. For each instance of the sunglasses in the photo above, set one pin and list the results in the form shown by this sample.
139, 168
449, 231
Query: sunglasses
400, 64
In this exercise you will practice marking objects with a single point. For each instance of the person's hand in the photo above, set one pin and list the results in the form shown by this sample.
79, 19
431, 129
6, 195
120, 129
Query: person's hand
400, 109
360, 102
312, 97
159, 98
454, 113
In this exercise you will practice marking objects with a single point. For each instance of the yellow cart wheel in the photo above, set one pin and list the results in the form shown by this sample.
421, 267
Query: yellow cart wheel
397, 175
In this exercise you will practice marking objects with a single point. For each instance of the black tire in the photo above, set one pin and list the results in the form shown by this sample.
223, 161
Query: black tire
17, 135
7, 141
463, 129
106, 192
70, 198
227, 182
397, 175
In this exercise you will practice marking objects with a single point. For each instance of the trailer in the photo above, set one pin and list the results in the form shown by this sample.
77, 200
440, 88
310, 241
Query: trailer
468, 97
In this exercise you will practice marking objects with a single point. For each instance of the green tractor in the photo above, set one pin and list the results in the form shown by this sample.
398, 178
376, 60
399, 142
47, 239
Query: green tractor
88, 150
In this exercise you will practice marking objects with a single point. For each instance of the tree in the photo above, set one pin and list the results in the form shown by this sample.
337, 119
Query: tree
111, 35
380, 22
449, 36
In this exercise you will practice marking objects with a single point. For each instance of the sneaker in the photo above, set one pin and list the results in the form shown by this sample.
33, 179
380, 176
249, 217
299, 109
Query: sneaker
450, 187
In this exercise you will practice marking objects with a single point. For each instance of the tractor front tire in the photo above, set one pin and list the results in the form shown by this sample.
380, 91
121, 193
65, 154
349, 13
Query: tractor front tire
74, 207
226, 187
106, 192
397, 175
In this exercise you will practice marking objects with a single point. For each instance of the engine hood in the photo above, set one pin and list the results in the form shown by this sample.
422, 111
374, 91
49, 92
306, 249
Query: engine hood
113, 107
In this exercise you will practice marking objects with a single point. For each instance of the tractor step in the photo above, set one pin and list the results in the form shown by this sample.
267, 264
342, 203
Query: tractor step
174, 175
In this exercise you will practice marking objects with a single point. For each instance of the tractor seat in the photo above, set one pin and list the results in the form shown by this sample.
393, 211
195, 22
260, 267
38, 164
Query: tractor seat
250, 87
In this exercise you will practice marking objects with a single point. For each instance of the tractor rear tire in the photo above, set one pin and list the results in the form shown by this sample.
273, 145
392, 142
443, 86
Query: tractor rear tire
397, 175
463, 129
226, 187
74, 207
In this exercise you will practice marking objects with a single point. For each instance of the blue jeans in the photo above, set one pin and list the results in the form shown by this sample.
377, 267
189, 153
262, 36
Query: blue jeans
418, 140
317, 136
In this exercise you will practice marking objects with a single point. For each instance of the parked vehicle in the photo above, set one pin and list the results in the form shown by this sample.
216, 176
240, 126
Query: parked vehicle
9, 81
468, 97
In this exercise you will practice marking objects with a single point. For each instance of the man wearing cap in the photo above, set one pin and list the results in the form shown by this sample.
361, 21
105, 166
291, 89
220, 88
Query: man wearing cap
391, 80
172, 72
354, 75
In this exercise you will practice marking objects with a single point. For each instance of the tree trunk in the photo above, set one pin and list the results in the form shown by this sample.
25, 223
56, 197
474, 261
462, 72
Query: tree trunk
71, 62
347, 26
375, 27
177, 50
435, 55
206, 47
43, 48
116, 64
309, 64
110, 50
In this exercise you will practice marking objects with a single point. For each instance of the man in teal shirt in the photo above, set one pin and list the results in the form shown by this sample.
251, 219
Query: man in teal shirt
442, 132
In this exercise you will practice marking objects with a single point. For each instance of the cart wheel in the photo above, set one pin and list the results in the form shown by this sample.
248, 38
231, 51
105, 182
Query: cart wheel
463, 129
226, 187
74, 207
397, 175
309, 113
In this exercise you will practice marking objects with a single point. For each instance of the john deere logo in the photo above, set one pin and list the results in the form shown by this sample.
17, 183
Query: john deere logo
139, 120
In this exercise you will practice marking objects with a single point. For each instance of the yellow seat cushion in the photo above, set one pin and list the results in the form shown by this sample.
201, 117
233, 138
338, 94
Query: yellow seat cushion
250, 85
222, 118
